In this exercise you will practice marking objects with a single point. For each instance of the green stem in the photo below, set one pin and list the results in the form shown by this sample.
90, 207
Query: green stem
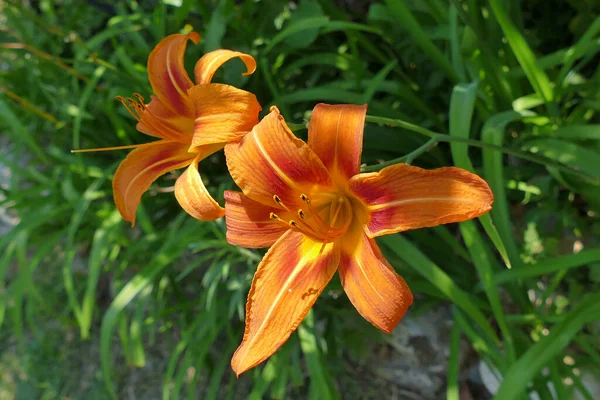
441, 137
407, 159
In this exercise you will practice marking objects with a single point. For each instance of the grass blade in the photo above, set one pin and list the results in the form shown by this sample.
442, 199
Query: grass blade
537, 77
549, 266
320, 386
462, 105
493, 167
529, 365
414, 29
452, 389
410, 254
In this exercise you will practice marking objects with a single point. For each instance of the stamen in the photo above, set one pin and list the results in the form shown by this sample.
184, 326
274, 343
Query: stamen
316, 228
308, 231
140, 100
135, 106
137, 109
130, 146
274, 216
125, 103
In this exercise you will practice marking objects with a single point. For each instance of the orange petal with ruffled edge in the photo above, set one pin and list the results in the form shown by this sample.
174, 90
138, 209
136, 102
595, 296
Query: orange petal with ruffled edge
377, 292
248, 222
287, 283
168, 77
160, 121
209, 63
402, 197
140, 168
270, 161
335, 133
192, 194
223, 114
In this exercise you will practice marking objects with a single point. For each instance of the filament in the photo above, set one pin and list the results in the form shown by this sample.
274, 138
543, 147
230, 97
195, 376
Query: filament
130, 146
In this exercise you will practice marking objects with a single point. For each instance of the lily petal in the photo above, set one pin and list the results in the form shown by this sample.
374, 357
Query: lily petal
335, 133
140, 168
192, 194
248, 222
160, 121
402, 197
209, 63
271, 161
167, 74
223, 114
287, 283
379, 294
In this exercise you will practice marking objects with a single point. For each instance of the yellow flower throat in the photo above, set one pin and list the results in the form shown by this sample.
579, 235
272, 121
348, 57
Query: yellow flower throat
324, 221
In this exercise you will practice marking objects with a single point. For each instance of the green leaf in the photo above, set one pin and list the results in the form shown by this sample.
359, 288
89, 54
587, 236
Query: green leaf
577, 132
484, 264
412, 26
549, 266
308, 24
215, 30
493, 132
537, 77
320, 387
568, 153
378, 80
462, 104
98, 254
421, 264
580, 48
306, 10
18, 131
536, 357
452, 389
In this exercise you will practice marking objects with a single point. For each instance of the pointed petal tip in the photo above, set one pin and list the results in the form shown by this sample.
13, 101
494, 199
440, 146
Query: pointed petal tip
240, 364
378, 293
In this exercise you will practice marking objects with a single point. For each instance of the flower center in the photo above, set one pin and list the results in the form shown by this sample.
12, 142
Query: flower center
323, 221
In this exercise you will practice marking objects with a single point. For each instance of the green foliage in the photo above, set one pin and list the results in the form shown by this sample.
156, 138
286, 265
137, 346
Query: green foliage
487, 82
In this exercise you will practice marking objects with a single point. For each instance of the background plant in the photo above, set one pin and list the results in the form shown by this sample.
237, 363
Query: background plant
506, 89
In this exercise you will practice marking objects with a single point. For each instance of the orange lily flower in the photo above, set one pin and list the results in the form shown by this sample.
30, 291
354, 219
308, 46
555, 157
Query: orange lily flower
192, 122
319, 214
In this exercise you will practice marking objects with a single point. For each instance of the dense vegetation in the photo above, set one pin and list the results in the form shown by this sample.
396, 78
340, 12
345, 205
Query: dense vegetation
506, 89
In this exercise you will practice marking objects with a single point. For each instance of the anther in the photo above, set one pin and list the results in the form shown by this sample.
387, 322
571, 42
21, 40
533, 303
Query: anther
304, 198
274, 216
301, 214
140, 99
129, 107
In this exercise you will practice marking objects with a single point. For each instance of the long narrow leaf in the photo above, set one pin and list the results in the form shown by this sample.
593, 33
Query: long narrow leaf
529, 365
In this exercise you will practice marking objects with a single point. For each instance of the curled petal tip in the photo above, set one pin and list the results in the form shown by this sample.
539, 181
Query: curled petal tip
210, 62
194, 37
193, 196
